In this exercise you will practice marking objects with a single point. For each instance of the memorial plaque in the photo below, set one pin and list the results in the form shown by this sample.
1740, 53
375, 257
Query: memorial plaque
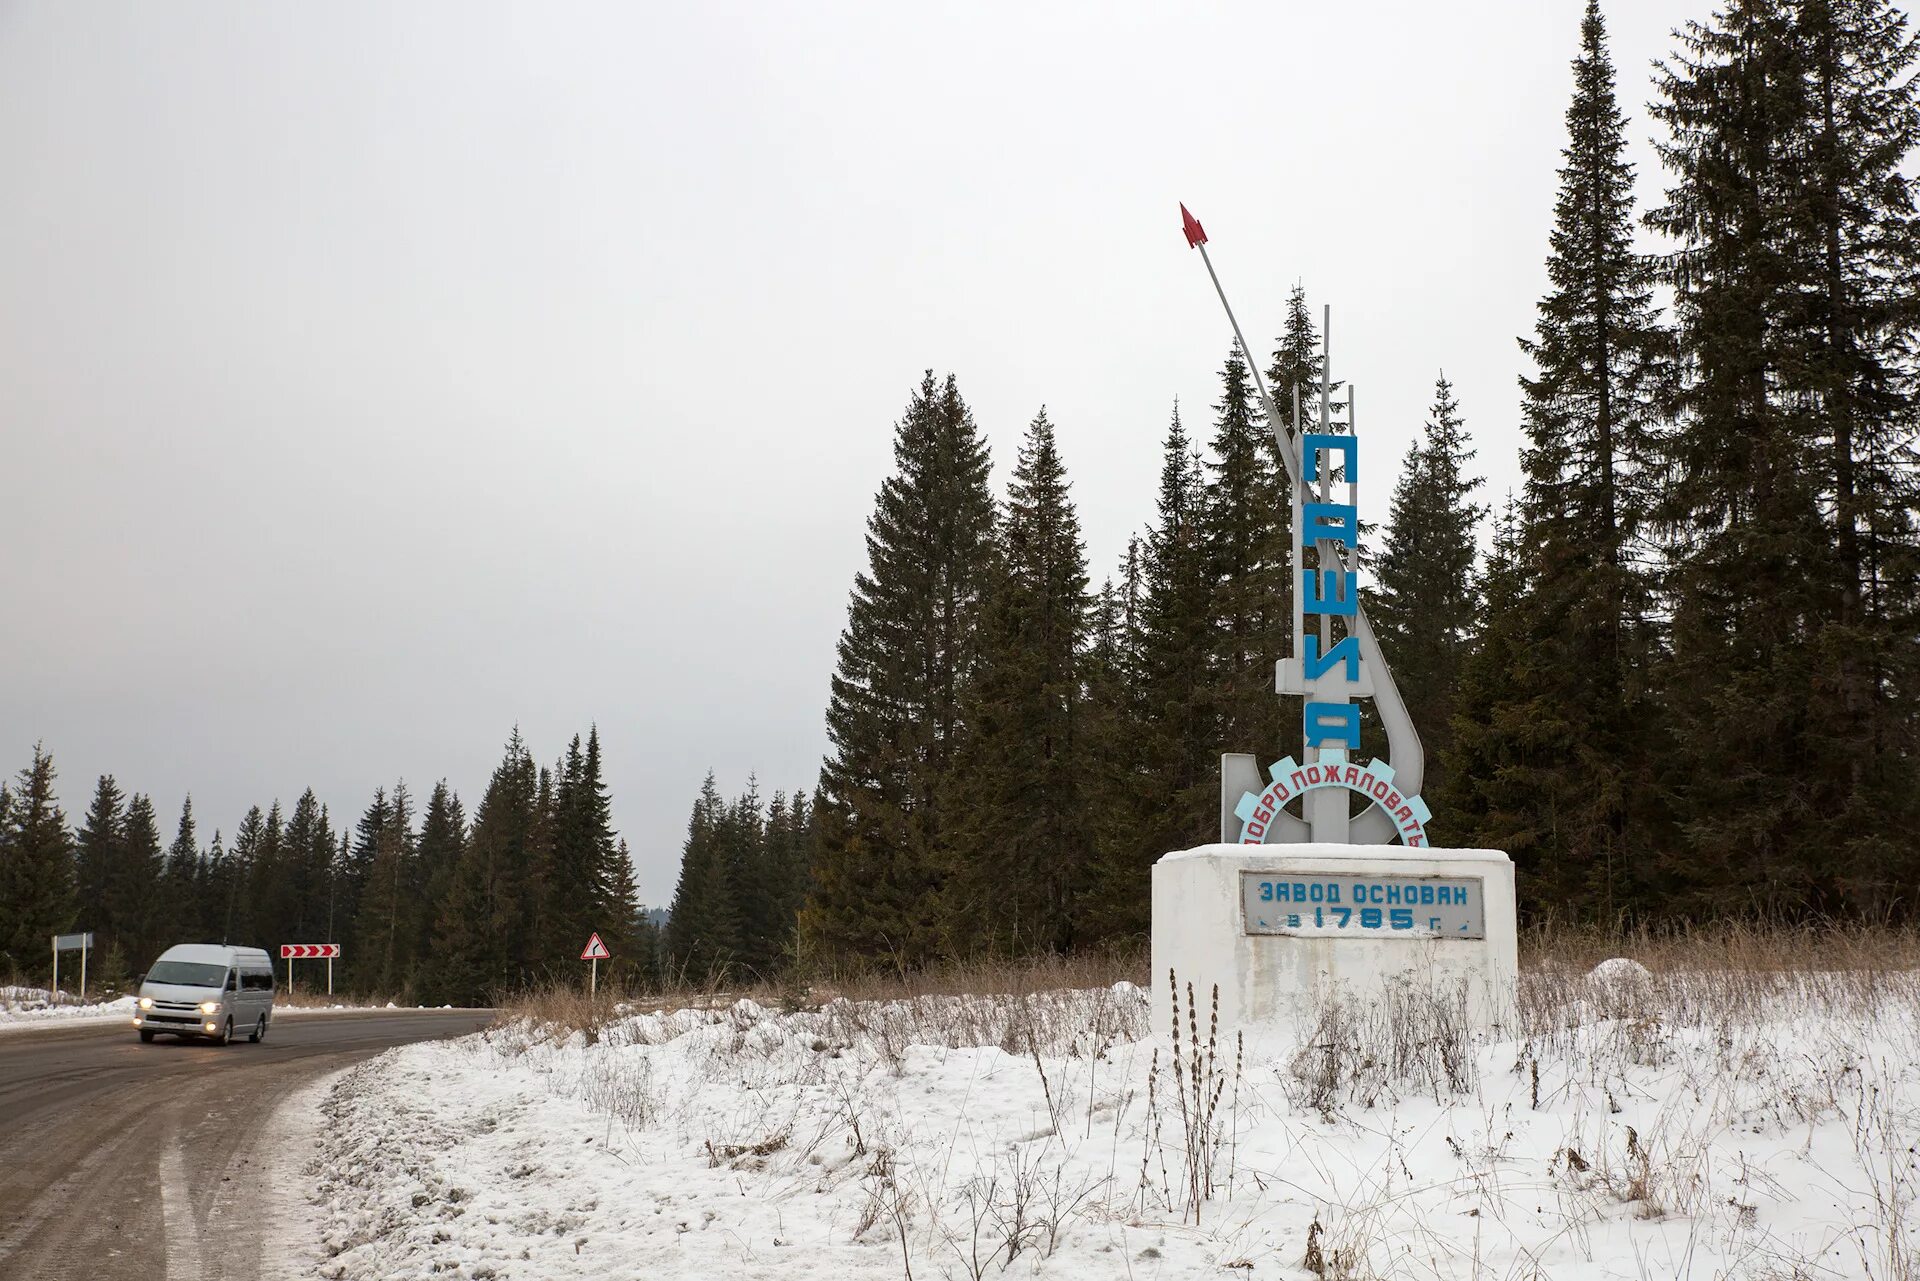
1344, 905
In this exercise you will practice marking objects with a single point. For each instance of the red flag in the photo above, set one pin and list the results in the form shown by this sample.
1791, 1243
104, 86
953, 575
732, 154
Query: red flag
1196, 234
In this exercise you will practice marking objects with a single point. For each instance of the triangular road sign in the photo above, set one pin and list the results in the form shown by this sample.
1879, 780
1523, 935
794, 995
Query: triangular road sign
596, 950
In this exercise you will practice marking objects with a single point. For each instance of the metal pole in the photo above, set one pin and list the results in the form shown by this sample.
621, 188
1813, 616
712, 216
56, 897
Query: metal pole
329, 976
83, 969
1259, 384
593, 979
55, 994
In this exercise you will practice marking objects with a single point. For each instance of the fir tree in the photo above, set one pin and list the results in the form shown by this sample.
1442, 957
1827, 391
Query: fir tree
699, 940
1562, 715
1245, 528
1166, 728
904, 659
480, 942
1426, 605
101, 838
133, 884
383, 949
36, 866
300, 900
1295, 370
181, 878
237, 923
442, 832
1017, 836
1790, 487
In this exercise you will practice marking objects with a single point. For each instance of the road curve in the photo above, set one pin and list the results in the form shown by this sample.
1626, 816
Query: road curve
120, 1160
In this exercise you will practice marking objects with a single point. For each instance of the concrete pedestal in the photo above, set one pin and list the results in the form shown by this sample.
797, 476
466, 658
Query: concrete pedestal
1271, 923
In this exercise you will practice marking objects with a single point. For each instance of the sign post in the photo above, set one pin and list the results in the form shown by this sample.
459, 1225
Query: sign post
291, 952
1302, 890
595, 951
80, 943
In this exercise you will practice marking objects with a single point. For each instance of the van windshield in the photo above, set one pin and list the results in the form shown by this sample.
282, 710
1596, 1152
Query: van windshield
187, 974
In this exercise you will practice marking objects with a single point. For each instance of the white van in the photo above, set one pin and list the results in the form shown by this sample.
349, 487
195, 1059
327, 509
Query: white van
207, 990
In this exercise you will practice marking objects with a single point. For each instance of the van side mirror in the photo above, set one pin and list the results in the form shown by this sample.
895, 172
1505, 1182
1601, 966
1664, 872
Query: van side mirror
233, 981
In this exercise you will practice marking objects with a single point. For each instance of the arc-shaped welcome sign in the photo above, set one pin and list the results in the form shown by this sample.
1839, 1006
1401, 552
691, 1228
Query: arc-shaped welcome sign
1374, 780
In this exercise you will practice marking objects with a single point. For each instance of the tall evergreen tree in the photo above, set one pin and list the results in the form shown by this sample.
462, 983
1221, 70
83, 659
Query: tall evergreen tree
1245, 521
238, 924
36, 867
102, 837
383, 951
134, 886
699, 938
1426, 605
1791, 486
181, 882
442, 833
1295, 370
1173, 743
904, 659
1564, 714
1017, 836
480, 941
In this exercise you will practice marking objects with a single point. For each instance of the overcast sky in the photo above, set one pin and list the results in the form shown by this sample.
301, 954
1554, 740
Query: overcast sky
376, 377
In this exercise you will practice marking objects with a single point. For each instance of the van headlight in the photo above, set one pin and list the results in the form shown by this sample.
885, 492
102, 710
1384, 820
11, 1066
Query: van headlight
146, 1002
209, 1007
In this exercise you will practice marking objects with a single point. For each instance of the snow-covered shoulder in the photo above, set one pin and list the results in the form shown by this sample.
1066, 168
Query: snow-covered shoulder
1642, 1128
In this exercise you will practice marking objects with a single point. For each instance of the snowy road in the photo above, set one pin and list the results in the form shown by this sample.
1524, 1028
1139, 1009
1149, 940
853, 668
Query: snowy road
123, 1160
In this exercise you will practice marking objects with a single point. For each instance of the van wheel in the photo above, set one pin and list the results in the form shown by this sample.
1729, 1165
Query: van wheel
226, 1034
146, 1036
259, 1032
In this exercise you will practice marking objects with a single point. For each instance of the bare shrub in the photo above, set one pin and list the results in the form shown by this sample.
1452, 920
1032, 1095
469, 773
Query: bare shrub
1410, 1035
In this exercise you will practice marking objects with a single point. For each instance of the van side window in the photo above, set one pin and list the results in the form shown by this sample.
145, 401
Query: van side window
257, 980
233, 980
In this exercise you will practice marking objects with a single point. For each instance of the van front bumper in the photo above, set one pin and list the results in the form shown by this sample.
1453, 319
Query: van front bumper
185, 1024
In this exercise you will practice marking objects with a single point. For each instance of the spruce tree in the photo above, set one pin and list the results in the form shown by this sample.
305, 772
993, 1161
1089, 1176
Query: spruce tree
904, 659
1295, 370
36, 867
1017, 836
699, 940
442, 832
300, 895
181, 879
749, 893
383, 946
480, 943
1165, 729
1426, 604
1245, 521
133, 885
1790, 495
1563, 713
236, 918
97, 848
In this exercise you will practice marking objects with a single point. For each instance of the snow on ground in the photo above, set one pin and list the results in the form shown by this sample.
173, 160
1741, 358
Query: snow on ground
1691, 1126
35, 1007
24, 1007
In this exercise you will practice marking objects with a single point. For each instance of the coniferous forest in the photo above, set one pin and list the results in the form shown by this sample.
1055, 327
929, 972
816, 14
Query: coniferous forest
1675, 675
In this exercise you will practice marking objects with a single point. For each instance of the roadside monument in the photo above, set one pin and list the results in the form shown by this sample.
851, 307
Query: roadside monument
1303, 891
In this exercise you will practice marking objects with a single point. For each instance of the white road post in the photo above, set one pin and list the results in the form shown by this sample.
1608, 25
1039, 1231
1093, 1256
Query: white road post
83, 970
55, 994
593, 979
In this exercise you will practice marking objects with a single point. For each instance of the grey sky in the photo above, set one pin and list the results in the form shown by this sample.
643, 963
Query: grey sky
374, 377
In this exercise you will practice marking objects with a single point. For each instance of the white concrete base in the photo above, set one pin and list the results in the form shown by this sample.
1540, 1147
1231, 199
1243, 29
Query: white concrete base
1200, 932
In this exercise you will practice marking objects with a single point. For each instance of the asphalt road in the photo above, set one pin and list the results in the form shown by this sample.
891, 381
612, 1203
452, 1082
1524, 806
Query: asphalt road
120, 1160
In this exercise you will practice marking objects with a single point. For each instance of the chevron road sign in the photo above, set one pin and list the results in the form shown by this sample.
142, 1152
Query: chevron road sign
291, 952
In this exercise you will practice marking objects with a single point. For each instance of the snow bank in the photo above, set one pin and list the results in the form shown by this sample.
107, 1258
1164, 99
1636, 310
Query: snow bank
1763, 1129
36, 1007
